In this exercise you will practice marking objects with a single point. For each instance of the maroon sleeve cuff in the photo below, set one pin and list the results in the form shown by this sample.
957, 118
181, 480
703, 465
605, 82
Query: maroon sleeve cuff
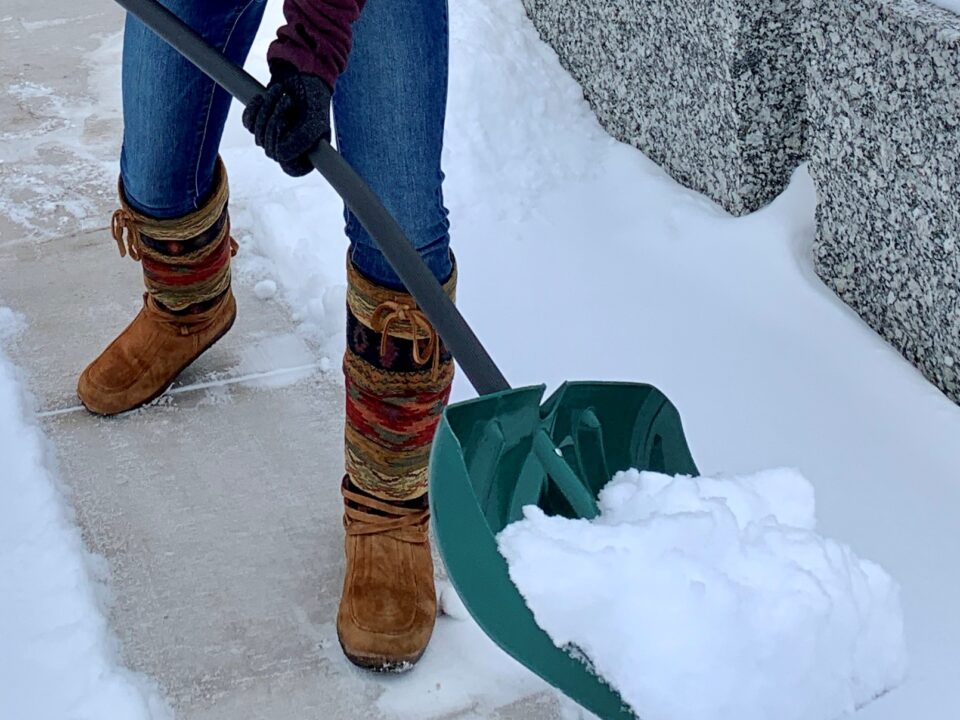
317, 36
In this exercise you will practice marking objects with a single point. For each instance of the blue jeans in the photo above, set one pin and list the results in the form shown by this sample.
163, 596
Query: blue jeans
389, 108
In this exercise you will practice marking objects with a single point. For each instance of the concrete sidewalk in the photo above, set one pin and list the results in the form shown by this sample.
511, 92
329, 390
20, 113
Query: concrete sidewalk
217, 508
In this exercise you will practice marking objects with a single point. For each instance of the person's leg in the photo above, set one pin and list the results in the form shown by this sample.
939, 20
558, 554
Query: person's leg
389, 110
173, 114
173, 215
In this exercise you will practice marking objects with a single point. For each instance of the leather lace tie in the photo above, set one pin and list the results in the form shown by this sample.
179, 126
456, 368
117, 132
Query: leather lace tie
390, 312
126, 232
181, 323
364, 515
124, 227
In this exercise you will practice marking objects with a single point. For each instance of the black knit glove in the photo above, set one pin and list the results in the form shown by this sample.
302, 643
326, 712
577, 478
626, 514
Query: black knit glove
290, 118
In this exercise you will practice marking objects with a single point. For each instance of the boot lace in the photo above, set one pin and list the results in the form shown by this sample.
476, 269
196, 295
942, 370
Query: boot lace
364, 515
389, 312
123, 227
181, 323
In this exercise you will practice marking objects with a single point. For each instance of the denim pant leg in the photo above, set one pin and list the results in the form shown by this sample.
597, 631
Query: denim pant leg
173, 114
389, 110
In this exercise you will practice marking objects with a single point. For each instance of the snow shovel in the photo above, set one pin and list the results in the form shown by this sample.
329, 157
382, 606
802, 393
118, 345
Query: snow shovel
507, 449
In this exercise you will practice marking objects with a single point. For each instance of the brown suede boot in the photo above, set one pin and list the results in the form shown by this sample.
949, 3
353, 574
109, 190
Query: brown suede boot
389, 603
188, 305
398, 377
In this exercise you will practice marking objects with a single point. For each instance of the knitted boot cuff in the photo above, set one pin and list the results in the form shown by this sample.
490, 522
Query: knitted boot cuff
398, 376
186, 260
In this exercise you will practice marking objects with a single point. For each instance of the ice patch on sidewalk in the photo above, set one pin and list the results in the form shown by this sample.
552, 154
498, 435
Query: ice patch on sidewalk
58, 659
713, 599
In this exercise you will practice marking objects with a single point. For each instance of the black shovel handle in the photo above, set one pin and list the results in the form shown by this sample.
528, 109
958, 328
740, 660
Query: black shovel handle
457, 335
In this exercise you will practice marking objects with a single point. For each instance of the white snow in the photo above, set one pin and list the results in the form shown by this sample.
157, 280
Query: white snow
713, 599
265, 289
450, 603
952, 5
462, 675
580, 259
57, 658
553, 223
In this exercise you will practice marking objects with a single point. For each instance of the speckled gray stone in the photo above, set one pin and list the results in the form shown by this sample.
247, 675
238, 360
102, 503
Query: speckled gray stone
712, 90
884, 141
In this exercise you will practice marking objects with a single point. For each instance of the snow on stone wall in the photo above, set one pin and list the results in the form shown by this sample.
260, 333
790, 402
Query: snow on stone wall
712, 90
884, 140
729, 96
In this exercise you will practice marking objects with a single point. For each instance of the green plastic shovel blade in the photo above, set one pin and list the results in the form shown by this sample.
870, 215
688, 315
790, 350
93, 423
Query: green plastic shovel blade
488, 461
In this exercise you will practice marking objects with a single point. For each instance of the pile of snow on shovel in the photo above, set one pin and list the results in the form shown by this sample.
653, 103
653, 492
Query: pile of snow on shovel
713, 599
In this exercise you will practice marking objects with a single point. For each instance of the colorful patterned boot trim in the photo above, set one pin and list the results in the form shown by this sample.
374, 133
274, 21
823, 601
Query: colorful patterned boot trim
398, 376
185, 260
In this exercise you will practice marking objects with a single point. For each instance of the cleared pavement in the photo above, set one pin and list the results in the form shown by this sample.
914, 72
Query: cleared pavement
216, 508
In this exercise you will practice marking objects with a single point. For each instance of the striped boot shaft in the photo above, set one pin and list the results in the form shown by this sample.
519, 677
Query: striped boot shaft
398, 376
185, 260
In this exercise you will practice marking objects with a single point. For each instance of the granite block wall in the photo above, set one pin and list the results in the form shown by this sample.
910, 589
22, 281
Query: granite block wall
712, 90
884, 145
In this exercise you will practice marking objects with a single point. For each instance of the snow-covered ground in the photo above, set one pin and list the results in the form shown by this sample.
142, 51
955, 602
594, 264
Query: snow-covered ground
713, 598
953, 5
57, 656
579, 259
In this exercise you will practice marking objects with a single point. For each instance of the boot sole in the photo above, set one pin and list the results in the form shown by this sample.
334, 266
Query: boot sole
153, 397
379, 663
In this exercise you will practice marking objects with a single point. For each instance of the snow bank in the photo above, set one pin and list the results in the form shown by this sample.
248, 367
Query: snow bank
57, 660
552, 219
953, 5
713, 599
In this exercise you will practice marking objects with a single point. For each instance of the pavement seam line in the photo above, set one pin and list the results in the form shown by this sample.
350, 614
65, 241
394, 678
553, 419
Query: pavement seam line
238, 380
